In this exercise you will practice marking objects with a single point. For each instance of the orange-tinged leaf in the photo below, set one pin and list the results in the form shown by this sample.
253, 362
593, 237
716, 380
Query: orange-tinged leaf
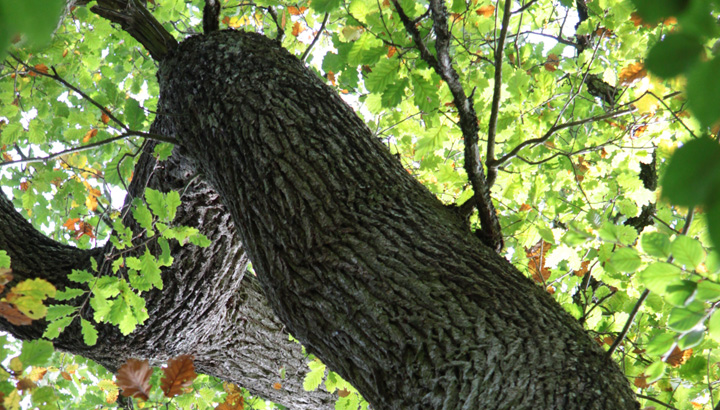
14, 316
179, 373
25, 384
84, 228
485, 11
133, 378
296, 11
343, 392
233, 401
678, 357
70, 224
536, 263
670, 21
641, 381
41, 68
111, 397
277, 386
90, 134
553, 61
297, 29
65, 52
331, 77
584, 268
7, 157
91, 202
391, 51
104, 118
550, 290
66, 376
226, 20
525, 207
37, 373
632, 73
24, 186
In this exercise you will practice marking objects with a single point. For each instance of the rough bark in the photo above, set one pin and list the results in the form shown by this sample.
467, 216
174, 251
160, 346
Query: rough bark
366, 267
207, 308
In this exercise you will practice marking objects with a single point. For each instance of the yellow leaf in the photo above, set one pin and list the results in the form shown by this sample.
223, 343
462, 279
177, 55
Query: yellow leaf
91, 202
16, 365
12, 401
89, 135
37, 373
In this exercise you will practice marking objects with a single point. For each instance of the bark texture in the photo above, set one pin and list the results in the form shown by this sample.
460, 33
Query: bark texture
207, 308
364, 266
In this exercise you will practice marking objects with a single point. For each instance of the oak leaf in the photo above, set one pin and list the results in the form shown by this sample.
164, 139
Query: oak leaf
133, 378
641, 382
297, 29
536, 263
525, 207
13, 315
632, 73
678, 357
104, 118
179, 373
90, 134
296, 11
552, 63
485, 11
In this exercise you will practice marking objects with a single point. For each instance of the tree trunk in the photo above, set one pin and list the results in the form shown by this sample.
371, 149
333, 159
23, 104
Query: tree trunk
364, 266
207, 308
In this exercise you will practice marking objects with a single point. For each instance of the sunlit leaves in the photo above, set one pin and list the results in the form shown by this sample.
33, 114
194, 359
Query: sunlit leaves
315, 376
657, 276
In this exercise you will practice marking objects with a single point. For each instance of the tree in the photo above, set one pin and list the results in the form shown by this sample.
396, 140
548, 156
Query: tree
410, 299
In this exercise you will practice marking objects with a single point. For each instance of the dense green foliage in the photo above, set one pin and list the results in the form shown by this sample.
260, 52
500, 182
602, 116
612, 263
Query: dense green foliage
579, 119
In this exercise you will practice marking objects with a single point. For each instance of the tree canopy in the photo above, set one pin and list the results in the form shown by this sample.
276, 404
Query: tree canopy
577, 139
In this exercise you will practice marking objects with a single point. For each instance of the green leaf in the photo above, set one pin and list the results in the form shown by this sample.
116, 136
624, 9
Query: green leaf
660, 344
156, 201
366, 50
172, 202
35, 18
657, 276
325, 6
426, 97
708, 291
655, 371
674, 55
163, 151
655, 244
90, 334
81, 276
134, 114
383, 74
150, 269
691, 339
654, 10
68, 293
36, 352
56, 327
394, 93
683, 319
626, 260
693, 173
4, 260
703, 91
315, 376
142, 215
680, 292
58, 311
688, 251
714, 326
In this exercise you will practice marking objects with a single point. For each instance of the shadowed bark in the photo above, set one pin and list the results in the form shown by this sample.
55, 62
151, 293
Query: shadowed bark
366, 267
207, 308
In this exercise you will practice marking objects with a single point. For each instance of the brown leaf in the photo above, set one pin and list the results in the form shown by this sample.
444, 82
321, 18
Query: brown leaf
536, 263
391, 51
66, 376
343, 392
24, 186
525, 207
90, 134
297, 29
84, 228
133, 378
25, 384
296, 11
14, 316
485, 11
641, 381
277, 386
70, 224
678, 357
65, 53
233, 401
584, 268
104, 118
632, 73
331, 77
179, 373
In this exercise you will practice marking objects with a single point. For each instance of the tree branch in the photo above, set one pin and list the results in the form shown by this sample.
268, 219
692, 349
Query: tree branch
491, 232
137, 21
211, 16
497, 89
319, 33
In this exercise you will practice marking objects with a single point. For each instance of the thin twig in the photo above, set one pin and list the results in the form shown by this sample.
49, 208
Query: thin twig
642, 396
280, 30
497, 89
525, 7
90, 146
317, 36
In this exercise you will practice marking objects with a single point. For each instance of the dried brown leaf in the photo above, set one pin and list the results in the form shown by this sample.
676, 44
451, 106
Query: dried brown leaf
179, 373
133, 378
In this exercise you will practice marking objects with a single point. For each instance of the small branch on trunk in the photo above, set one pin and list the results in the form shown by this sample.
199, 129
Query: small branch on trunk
137, 21
491, 233
317, 36
211, 16
278, 24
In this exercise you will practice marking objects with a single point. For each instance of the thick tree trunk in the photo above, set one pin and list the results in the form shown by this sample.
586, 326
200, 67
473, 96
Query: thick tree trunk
206, 307
366, 267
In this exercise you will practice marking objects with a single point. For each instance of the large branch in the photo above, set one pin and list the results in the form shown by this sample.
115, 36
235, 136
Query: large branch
362, 263
207, 308
491, 232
